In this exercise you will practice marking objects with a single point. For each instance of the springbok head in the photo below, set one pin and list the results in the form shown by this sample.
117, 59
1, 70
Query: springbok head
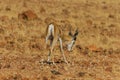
73, 39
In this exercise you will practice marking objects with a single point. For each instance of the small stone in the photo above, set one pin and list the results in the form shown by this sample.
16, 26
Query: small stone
55, 72
45, 78
108, 69
81, 74
4, 18
27, 15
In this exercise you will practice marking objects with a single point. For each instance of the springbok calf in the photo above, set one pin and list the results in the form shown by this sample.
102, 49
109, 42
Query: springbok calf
54, 33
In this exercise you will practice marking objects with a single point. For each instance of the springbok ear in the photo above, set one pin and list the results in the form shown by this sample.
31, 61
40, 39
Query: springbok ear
70, 33
76, 32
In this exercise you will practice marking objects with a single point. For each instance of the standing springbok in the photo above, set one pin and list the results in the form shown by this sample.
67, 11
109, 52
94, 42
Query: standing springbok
54, 33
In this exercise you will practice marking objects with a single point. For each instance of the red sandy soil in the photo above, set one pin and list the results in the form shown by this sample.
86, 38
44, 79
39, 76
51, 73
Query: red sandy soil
96, 54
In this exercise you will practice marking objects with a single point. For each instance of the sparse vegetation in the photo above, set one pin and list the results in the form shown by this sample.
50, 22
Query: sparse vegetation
96, 54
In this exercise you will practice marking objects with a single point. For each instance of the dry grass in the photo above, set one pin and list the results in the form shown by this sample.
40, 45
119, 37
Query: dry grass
95, 55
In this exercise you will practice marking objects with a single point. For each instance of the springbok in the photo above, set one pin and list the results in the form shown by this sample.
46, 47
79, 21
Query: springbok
55, 33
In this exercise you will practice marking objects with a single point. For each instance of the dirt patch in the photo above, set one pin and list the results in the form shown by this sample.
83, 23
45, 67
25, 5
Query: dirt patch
95, 56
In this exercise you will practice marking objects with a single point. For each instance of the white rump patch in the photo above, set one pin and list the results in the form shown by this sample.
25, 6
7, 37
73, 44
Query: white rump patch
51, 29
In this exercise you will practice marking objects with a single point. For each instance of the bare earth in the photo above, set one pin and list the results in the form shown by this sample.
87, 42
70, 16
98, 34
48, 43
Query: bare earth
96, 54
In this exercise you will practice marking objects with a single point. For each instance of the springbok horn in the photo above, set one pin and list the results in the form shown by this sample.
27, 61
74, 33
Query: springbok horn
76, 32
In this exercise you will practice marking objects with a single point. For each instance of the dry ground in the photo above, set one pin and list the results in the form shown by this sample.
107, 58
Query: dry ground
96, 54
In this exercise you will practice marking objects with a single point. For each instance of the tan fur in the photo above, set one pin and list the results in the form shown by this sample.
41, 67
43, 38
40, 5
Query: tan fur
57, 32
57, 35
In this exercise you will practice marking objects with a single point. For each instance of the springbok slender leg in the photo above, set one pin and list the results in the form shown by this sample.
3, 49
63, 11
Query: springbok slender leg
61, 48
52, 45
50, 51
46, 41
